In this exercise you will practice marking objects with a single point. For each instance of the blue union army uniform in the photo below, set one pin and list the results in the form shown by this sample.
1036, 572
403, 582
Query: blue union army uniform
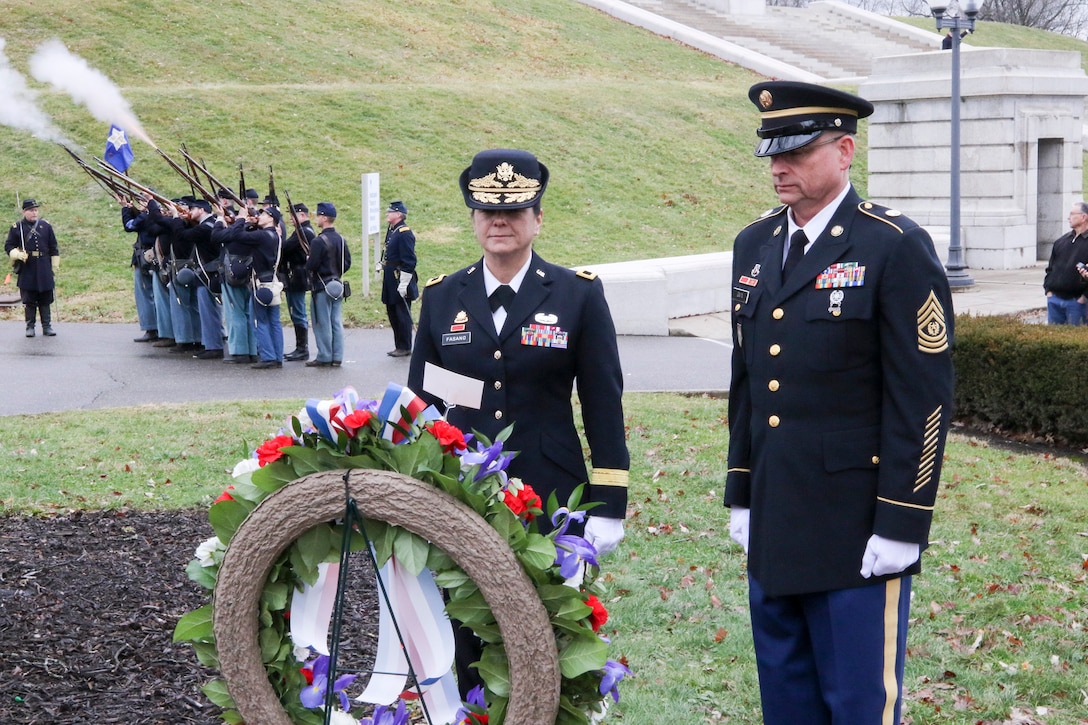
839, 406
558, 330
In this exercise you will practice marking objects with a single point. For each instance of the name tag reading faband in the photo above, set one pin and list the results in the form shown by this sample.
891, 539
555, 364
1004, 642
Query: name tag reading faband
453, 388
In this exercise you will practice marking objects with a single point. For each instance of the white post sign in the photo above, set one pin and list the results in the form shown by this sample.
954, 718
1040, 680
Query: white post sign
371, 225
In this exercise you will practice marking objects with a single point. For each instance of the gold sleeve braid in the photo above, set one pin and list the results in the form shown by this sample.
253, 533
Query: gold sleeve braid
609, 477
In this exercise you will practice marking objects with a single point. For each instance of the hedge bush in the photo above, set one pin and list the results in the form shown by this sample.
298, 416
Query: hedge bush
1023, 378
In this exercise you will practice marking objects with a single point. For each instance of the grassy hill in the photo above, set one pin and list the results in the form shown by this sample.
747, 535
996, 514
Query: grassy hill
649, 142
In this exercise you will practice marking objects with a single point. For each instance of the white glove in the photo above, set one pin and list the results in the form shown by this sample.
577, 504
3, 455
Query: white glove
738, 525
887, 556
377, 268
402, 286
604, 533
17, 255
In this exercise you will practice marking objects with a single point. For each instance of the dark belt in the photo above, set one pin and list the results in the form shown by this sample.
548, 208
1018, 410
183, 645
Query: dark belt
34, 254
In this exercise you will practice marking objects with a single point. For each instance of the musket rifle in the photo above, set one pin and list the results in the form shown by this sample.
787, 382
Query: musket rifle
272, 188
303, 241
216, 183
242, 184
193, 183
132, 184
109, 185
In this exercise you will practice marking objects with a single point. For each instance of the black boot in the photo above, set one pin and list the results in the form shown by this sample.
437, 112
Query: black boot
47, 321
302, 345
31, 312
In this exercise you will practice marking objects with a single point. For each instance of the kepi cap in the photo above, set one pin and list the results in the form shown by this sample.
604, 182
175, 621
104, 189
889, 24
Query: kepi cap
503, 179
794, 114
30, 204
201, 204
326, 208
398, 206
272, 212
252, 194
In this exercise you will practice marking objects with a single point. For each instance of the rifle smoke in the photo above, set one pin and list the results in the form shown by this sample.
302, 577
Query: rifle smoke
19, 106
54, 64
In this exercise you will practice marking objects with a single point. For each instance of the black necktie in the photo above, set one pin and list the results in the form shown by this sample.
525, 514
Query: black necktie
797, 250
501, 297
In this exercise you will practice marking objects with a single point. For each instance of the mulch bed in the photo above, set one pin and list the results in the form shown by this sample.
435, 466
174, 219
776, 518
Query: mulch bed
88, 604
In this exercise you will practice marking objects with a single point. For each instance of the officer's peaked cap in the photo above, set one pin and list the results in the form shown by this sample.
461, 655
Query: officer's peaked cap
794, 114
503, 179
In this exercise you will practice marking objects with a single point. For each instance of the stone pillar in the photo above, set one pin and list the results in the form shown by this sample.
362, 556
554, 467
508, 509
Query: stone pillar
1021, 139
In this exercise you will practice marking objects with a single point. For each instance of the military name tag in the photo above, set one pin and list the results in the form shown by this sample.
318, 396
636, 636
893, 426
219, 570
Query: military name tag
841, 274
741, 295
544, 336
456, 338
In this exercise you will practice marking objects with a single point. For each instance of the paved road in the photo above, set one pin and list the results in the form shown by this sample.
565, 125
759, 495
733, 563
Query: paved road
99, 366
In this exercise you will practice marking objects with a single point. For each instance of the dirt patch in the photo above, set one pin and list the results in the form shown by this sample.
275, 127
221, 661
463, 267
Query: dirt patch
88, 604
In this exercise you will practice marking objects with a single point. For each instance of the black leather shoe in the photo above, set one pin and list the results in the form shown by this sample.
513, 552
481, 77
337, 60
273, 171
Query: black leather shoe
266, 364
336, 363
186, 347
30, 330
297, 354
209, 355
164, 342
149, 336
318, 364
48, 331
237, 359
399, 353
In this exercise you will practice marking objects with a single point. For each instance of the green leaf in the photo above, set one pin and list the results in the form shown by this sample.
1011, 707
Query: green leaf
451, 578
315, 544
438, 560
273, 476
274, 596
494, 668
206, 654
202, 575
232, 717
196, 626
539, 552
217, 692
563, 601
581, 655
381, 537
471, 610
226, 516
569, 714
411, 551
270, 641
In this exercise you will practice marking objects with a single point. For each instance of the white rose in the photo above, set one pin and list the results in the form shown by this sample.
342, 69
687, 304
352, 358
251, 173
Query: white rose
244, 468
206, 549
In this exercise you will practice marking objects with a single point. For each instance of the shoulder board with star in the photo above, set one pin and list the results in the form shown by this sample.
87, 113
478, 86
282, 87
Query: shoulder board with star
586, 274
767, 215
404, 228
435, 280
881, 213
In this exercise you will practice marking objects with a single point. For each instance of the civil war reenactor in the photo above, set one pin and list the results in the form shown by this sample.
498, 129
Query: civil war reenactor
329, 259
32, 247
296, 280
236, 264
207, 250
399, 286
839, 406
181, 259
530, 332
135, 220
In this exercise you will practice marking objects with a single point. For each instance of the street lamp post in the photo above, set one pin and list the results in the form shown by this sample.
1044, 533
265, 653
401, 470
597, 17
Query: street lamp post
956, 268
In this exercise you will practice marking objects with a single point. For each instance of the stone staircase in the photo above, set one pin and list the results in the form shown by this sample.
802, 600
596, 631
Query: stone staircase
830, 40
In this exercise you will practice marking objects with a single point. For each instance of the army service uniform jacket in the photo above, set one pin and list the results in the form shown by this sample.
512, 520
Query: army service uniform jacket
558, 331
841, 394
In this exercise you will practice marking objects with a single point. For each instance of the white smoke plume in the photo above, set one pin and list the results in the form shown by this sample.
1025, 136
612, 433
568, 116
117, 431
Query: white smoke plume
54, 64
19, 104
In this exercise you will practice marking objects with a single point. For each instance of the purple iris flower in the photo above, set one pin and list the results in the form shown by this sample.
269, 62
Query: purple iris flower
611, 676
314, 695
475, 697
490, 459
571, 550
385, 716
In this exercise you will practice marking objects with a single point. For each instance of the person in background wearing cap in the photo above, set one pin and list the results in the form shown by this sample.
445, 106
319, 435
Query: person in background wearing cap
32, 247
257, 235
236, 263
839, 405
399, 277
195, 256
329, 259
528, 331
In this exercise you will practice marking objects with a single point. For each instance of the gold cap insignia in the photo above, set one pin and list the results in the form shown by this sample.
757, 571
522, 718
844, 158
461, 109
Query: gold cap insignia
932, 328
503, 186
766, 99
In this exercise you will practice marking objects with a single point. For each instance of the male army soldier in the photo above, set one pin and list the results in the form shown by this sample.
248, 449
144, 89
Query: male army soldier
399, 277
839, 406
32, 247
297, 280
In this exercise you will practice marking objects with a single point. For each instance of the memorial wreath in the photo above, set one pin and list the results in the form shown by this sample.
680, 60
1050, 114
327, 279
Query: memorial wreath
400, 434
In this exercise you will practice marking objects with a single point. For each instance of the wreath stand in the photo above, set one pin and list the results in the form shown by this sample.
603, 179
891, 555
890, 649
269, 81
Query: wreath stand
411, 504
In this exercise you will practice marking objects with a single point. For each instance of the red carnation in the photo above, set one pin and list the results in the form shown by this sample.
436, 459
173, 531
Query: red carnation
522, 501
449, 436
308, 674
599, 615
270, 449
355, 420
225, 496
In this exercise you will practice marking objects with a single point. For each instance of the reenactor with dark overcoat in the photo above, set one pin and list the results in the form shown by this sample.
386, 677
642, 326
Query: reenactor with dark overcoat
32, 247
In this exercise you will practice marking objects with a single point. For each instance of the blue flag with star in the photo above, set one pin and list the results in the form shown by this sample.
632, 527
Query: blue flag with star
118, 150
